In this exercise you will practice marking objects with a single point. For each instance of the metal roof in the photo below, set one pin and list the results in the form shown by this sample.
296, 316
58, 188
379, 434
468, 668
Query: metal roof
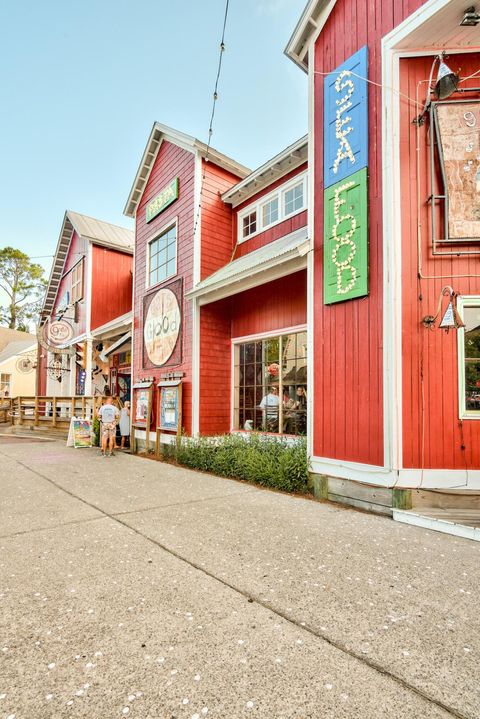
248, 270
7, 335
91, 230
163, 132
14, 349
289, 159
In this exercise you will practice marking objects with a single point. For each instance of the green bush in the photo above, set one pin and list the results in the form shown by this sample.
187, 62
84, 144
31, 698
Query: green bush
264, 460
96, 432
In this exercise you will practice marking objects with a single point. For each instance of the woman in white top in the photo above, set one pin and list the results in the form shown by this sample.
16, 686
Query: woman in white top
125, 423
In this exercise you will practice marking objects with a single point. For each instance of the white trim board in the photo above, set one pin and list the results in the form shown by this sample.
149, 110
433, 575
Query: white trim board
437, 525
402, 479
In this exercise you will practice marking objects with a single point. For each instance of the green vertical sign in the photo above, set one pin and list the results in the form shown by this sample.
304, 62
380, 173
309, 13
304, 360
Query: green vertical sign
346, 239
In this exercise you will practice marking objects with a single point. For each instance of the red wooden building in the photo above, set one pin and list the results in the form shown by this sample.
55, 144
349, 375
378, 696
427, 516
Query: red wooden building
396, 398
85, 327
304, 297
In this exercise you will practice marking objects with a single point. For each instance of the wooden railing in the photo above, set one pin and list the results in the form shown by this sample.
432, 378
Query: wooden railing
53, 412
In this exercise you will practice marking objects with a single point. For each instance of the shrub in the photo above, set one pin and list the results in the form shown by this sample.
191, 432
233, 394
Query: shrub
264, 460
96, 432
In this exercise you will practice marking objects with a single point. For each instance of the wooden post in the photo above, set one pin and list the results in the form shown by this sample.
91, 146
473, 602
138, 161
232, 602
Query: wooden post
20, 418
54, 411
36, 421
72, 410
180, 404
83, 407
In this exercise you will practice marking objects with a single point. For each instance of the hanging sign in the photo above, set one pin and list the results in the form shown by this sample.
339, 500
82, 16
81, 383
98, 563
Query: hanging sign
345, 180
161, 201
53, 336
346, 119
161, 326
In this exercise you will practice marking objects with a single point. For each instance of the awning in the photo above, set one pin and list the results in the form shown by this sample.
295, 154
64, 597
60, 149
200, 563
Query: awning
277, 259
119, 343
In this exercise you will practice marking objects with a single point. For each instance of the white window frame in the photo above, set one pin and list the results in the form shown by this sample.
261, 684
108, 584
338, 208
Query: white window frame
166, 228
235, 341
258, 205
464, 413
5, 384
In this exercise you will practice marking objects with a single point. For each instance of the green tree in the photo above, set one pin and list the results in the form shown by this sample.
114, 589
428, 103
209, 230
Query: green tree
24, 285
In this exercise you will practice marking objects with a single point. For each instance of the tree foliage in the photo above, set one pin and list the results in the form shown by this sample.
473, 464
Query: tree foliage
24, 285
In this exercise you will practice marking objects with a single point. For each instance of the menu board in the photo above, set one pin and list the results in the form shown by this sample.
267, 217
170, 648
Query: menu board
169, 411
459, 129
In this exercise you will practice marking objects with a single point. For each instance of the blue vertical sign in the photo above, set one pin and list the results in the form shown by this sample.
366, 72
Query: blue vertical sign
345, 180
346, 119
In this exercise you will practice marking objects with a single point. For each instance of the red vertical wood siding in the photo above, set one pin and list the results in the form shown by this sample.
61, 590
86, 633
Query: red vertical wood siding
430, 406
269, 308
274, 233
78, 250
172, 161
348, 336
111, 285
217, 236
215, 367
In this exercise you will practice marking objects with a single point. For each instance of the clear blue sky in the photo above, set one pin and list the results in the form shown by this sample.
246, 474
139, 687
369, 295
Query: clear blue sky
82, 82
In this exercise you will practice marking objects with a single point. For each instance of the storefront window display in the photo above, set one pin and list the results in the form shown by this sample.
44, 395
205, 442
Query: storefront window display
270, 384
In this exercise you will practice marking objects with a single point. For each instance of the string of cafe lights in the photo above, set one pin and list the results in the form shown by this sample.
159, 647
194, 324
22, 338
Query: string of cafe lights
212, 116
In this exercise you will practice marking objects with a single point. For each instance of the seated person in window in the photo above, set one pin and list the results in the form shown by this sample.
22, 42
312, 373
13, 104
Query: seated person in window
270, 404
295, 412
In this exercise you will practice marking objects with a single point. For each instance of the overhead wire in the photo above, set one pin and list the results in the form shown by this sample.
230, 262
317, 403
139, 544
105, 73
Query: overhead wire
212, 116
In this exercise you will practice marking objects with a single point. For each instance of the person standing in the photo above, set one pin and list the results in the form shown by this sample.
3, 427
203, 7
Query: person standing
125, 423
108, 415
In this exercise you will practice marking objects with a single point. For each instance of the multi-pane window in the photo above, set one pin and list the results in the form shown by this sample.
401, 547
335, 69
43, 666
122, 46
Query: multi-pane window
249, 224
293, 199
5, 385
470, 362
77, 282
270, 212
163, 256
287, 200
270, 384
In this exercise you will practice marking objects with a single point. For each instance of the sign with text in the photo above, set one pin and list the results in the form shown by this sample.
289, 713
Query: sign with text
162, 321
80, 433
161, 201
346, 118
346, 239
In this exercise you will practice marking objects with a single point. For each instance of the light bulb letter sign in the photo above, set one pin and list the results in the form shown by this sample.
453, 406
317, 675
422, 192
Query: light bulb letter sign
345, 180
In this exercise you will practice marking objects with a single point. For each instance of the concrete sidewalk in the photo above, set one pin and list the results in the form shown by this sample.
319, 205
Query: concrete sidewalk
133, 588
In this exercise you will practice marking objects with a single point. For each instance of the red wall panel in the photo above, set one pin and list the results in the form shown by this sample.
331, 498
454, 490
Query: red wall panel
215, 367
433, 435
348, 336
111, 285
217, 237
172, 161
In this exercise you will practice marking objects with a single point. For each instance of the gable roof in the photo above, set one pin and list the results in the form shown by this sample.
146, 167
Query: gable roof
91, 230
13, 349
308, 28
7, 335
289, 159
163, 132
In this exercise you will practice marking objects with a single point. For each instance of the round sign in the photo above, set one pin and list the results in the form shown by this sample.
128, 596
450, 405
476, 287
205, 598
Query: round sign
59, 332
162, 327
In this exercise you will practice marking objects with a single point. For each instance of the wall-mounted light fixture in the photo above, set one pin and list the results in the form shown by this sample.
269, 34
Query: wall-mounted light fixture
451, 318
446, 84
471, 17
